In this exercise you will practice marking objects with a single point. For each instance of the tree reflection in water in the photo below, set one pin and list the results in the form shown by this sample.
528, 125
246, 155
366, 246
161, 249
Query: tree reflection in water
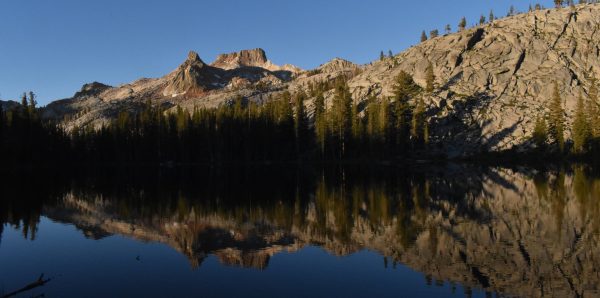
514, 231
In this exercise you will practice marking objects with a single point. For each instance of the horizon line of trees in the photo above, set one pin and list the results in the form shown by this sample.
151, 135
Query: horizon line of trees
239, 131
281, 129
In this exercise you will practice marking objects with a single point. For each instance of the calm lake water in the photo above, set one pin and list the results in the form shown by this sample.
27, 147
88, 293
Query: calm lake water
447, 231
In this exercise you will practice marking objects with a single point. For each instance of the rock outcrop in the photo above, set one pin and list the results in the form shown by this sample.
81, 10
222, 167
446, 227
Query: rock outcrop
250, 58
93, 88
337, 65
495, 79
193, 76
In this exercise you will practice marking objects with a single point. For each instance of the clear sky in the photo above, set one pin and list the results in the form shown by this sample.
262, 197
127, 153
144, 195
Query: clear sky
52, 47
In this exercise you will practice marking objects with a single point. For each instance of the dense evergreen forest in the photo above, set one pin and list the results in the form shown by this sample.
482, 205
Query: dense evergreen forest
279, 130
240, 131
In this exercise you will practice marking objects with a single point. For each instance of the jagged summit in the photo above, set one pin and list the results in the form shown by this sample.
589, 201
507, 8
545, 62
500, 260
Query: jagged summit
193, 76
193, 57
250, 58
243, 58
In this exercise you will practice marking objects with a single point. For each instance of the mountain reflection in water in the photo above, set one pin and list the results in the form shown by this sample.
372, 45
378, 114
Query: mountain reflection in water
517, 231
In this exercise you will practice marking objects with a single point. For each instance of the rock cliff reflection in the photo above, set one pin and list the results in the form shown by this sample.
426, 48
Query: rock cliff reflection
520, 231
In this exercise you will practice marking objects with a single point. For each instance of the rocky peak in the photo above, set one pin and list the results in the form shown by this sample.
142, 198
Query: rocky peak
194, 58
244, 58
93, 88
337, 64
193, 75
251, 58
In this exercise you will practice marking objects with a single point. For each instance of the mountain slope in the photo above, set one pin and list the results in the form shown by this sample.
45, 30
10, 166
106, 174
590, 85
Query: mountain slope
496, 78
492, 81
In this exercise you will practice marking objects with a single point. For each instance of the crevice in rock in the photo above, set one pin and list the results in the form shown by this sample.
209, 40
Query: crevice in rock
571, 15
525, 254
475, 38
574, 77
459, 60
520, 61
483, 280
569, 281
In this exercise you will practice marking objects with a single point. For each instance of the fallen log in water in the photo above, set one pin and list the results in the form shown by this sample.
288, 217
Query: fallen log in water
38, 283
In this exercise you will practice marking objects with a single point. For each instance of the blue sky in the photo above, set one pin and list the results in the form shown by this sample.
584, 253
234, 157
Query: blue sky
54, 47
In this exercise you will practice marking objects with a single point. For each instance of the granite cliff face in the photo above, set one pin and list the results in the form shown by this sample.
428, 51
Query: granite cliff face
251, 58
492, 81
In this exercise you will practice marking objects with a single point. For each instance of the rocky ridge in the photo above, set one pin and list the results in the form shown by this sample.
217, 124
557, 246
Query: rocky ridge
491, 80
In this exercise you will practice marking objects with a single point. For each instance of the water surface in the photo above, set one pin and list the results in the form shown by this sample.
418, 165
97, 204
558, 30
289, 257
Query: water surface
451, 231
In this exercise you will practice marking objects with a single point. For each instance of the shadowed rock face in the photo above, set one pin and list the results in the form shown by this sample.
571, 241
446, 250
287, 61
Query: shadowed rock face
193, 76
91, 89
491, 81
8, 104
521, 233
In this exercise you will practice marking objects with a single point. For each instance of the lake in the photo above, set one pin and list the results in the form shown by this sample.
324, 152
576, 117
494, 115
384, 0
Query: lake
451, 230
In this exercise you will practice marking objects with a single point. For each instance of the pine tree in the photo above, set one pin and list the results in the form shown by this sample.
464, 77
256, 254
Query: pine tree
373, 120
429, 78
492, 17
423, 36
390, 54
24, 99
356, 122
418, 127
320, 122
404, 87
558, 3
383, 121
581, 128
404, 90
2, 125
434, 33
284, 110
481, 20
556, 123
381, 56
511, 11
462, 24
540, 133
341, 118
23, 109
593, 110
448, 29
31, 105
300, 121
